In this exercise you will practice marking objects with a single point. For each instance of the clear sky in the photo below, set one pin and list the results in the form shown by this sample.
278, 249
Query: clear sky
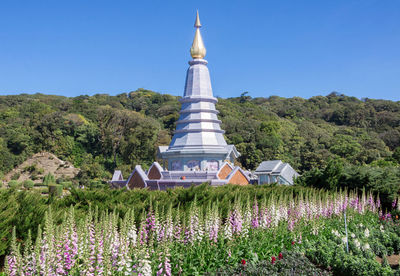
285, 48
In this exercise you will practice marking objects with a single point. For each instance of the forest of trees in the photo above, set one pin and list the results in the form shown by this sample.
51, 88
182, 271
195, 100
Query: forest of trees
100, 133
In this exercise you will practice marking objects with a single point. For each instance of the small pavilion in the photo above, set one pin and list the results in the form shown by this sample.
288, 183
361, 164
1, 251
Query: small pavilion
198, 151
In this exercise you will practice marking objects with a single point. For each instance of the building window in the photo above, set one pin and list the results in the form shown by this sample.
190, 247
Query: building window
193, 165
212, 165
176, 165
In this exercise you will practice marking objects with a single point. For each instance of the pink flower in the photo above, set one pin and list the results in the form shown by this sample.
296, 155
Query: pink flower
280, 256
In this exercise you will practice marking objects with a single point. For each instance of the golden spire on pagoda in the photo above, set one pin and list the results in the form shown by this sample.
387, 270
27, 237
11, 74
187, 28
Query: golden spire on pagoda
198, 50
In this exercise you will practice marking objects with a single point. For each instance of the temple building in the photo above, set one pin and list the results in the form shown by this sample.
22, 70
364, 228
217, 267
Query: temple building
198, 151
275, 171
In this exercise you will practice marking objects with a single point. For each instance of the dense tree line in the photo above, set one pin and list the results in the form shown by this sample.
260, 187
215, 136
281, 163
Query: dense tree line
100, 133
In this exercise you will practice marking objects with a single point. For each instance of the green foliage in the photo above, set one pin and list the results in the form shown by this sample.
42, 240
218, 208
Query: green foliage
15, 176
67, 184
313, 247
101, 132
292, 263
49, 180
14, 184
26, 209
55, 190
23, 209
382, 181
28, 184
396, 154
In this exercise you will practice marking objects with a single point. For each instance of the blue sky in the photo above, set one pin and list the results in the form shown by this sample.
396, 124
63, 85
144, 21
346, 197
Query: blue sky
285, 48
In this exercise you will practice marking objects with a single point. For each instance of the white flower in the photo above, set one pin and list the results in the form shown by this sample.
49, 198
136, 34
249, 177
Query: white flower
357, 243
336, 233
132, 235
366, 246
361, 225
382, 228
353, 235
344, 239
145, 267
366, 233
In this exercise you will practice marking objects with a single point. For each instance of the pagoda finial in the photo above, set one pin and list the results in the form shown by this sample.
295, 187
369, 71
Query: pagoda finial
198, 50
197, 23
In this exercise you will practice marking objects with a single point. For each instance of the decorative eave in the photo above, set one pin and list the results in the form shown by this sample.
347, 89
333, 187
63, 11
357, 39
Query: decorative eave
232, 151
117, 176
237, 168
138, 169
222, 167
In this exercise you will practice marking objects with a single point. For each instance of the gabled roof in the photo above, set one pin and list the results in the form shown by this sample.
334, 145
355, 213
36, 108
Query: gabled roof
232, 173
157, 165
223, 165
138, 169
277, 168
231, 149
269, 166
155, 168
161, 150
117, 176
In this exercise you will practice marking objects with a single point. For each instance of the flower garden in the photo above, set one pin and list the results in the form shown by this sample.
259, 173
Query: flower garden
282, 233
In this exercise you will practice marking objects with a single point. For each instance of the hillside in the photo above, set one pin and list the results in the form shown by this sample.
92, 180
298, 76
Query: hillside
101, 132
39, 165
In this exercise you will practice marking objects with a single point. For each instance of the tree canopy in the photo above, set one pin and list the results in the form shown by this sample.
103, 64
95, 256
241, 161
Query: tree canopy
100, 133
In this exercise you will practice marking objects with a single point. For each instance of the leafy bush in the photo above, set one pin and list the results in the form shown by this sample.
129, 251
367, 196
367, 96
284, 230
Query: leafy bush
42, 190
14, 184
292, 263
337, 175
49, 180
30, 168
38, 184
67, 184
28, 184
55, 190
15, 176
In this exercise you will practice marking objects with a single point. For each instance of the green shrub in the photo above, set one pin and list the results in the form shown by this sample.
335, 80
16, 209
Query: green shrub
292, 263
30, 168
338, 175
14, 184
15, 176
60, 179
67, 184
49, 180
42, 190
28, 184
55, 190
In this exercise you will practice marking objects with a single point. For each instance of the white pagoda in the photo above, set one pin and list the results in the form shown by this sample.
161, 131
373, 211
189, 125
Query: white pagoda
198, 142
198, 151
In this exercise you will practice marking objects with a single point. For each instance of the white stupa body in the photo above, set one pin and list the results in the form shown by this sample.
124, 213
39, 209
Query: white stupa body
198, 142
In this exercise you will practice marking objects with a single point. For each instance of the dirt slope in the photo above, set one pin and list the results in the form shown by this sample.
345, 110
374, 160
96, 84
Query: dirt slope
40, 164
